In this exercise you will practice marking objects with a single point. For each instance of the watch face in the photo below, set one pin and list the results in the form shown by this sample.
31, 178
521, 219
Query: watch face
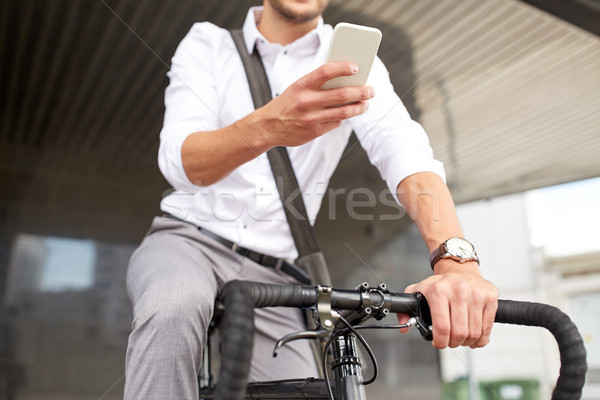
460, 247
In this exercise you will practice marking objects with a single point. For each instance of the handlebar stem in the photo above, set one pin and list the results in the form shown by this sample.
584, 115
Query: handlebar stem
347, 367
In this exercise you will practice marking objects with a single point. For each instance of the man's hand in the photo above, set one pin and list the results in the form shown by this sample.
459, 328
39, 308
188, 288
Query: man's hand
304, 111
463, 304
300, 114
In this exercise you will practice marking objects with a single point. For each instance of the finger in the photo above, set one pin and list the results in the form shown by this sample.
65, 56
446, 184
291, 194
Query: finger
459, 317
326, 72
489, 314
440, 317
475, 323
340, 113
411, 288
345, 95
328, 126
403, 319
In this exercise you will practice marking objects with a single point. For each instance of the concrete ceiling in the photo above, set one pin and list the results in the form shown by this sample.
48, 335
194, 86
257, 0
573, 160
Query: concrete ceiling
509, 94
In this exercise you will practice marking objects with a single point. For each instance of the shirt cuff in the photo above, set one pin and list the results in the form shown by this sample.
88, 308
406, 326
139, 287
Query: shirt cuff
398, 171
169, 156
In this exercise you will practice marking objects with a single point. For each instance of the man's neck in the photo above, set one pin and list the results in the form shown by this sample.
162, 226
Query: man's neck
276, 29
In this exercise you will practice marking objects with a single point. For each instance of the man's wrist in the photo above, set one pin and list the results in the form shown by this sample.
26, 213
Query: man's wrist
446, 265
255, 128
455, 248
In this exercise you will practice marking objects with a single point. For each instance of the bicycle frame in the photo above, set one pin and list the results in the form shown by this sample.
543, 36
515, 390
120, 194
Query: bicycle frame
346, 367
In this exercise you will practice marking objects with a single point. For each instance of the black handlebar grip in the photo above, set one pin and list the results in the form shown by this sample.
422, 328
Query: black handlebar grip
238, 327
269, 295
572, 351
238, 333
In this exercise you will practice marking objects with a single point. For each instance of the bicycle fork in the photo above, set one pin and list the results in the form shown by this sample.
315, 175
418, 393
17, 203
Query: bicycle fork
347, 368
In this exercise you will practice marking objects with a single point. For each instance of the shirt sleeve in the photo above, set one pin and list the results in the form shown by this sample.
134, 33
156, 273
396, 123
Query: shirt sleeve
191, 101
397, 145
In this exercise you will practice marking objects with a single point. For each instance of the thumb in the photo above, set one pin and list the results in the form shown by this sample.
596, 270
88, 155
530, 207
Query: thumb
411, 288
403, 318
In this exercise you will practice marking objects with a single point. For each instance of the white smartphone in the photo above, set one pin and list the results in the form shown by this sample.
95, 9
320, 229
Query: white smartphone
355, 43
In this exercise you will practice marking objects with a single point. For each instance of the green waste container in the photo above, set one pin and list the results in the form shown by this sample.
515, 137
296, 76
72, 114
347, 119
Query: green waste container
457, 390
511, 389
505, 389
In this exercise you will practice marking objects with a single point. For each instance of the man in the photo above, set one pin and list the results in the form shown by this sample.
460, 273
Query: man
212, 151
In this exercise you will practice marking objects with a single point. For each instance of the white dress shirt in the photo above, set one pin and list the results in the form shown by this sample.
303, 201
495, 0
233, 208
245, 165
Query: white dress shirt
208, 90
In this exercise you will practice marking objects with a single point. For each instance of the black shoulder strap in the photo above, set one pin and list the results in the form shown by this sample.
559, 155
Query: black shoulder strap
287, 184
310, 257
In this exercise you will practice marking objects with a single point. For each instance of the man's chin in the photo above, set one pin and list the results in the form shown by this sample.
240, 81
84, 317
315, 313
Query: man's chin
299, 12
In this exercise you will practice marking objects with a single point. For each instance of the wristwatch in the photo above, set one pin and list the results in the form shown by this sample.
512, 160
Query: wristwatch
456, 248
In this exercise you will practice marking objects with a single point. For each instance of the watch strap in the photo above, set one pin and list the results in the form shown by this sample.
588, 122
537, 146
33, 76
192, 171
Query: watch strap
437, 254
441, 252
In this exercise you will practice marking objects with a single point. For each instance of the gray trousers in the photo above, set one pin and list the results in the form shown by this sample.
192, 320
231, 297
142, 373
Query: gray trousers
172, 280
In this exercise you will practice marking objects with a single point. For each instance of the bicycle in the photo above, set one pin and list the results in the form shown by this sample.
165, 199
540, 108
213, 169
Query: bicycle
340, 314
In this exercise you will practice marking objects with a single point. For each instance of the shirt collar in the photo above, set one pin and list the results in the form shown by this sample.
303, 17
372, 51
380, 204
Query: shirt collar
252, 34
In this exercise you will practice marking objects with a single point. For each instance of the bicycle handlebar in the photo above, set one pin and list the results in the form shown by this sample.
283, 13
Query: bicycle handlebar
243, 297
